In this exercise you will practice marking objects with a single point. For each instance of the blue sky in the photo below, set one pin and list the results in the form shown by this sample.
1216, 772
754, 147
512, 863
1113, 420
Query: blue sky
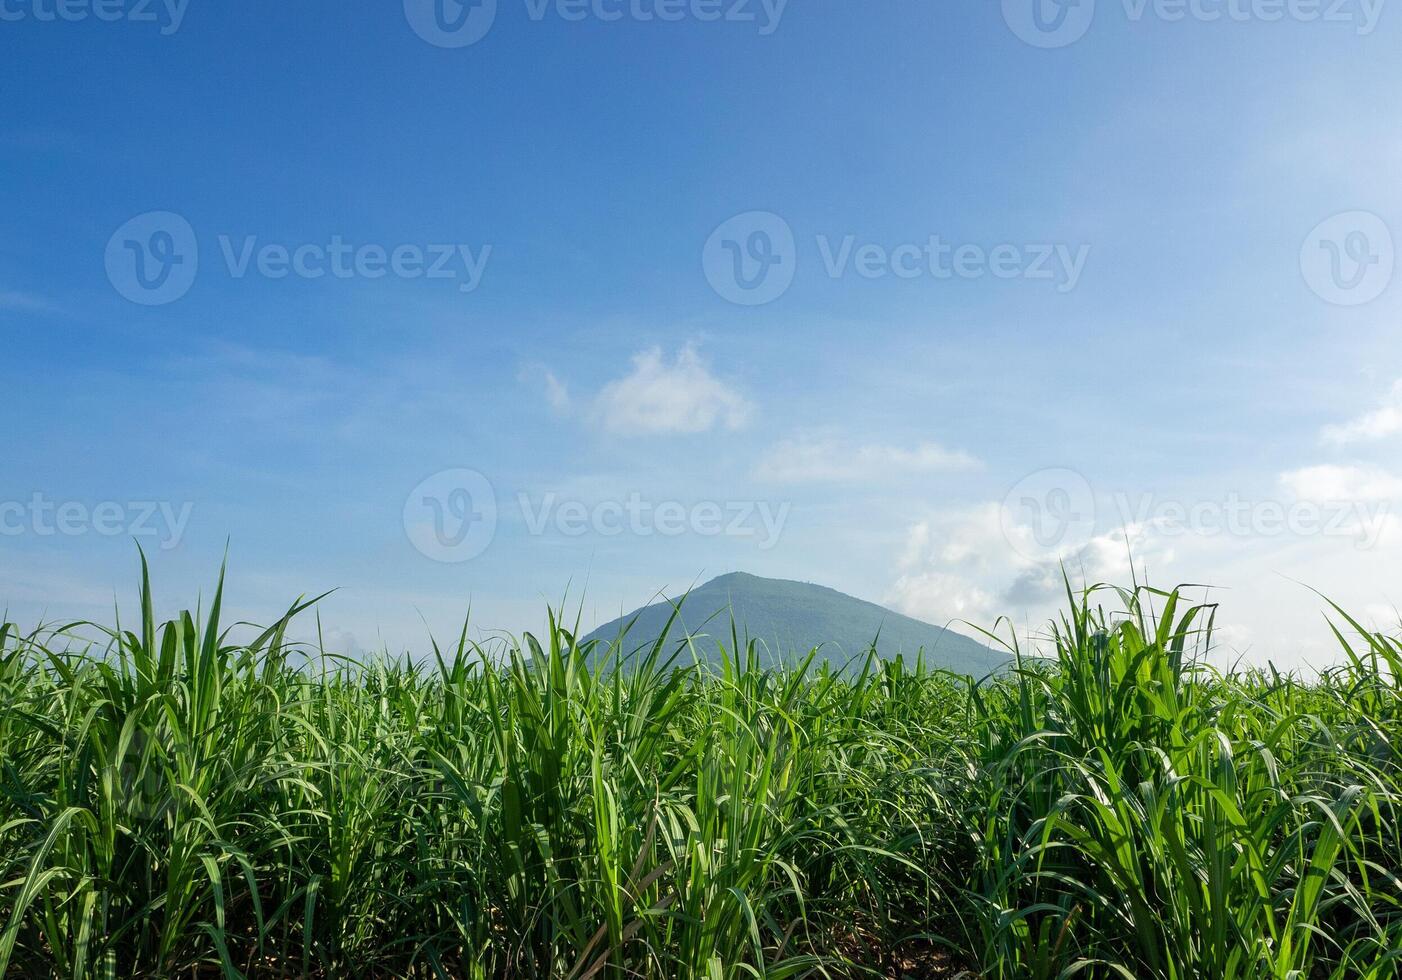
1132, 322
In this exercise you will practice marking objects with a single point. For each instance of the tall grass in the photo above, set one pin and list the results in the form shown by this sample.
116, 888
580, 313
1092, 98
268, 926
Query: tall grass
176, 802
1145, 815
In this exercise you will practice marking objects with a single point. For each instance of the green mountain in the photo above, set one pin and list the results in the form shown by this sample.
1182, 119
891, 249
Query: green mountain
791, 618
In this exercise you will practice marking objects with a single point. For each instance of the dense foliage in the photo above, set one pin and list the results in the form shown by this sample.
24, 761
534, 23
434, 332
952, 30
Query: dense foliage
174, 802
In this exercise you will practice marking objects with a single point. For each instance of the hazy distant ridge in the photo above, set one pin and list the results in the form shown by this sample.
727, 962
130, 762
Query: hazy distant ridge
791, 618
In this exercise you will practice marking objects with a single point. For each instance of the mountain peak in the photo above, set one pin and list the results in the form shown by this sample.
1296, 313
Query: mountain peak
789, 619
729, 578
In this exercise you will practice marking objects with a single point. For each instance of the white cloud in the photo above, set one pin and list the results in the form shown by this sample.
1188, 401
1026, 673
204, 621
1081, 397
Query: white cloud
956, 564
557, 393
945, 566
1329, 482
959, 564
1382, 618
1381, 422
808, 460
970, 538
940, 596
659, 397
24, 302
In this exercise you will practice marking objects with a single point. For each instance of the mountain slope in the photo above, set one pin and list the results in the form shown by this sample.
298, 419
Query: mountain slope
790, 618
